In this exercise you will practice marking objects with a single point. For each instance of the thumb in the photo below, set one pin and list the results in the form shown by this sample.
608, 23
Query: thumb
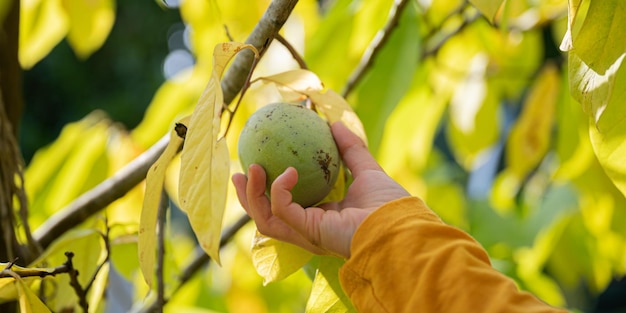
353, 150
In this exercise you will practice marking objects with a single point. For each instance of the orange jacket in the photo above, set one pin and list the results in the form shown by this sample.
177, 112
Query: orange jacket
405, 259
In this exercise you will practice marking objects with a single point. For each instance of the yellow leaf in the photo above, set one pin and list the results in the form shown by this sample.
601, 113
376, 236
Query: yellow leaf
275, 260
326, 294
27, 299
146, 244
529, 138
336, 108
295, 83
90, 24
205, 162
43, 24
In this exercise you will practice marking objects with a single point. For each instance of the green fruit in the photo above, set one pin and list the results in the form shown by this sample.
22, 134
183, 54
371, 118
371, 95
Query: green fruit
281, 135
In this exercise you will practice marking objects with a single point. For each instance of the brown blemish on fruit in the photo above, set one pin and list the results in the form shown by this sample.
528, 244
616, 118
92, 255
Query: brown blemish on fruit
323, 160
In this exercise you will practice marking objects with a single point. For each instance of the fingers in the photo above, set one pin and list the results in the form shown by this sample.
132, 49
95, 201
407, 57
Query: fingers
353, 151
251, 194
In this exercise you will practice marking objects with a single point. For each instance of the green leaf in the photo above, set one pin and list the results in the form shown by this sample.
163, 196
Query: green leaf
598, 82
600, 42
489, 8
146, 242
573, 147
205, 162
43, 24
386, 83
275, 260
346, 30
408, 137
90, 24
327, 296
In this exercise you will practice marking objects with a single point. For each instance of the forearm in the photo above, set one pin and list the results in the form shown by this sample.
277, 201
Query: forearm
404, 259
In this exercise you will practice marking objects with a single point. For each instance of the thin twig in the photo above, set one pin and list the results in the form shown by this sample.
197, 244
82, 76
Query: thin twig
231, 113
433, 48
80, 292
375, 46
107, 257
198, 260
296, 56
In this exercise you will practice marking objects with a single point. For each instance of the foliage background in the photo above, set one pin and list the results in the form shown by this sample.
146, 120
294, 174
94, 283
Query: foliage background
475, 114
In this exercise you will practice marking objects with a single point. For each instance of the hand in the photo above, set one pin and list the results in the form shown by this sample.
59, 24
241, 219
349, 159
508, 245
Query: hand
327, 229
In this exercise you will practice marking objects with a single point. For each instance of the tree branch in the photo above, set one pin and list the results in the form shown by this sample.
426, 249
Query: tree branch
436, 42
264, 32
375, 47
197, 261
115, 187
99, 197
296, 56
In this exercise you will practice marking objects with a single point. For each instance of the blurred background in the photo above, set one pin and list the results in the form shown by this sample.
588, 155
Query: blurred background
473, 113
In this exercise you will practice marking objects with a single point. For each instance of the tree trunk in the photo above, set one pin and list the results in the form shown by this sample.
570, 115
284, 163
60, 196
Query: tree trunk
11, 162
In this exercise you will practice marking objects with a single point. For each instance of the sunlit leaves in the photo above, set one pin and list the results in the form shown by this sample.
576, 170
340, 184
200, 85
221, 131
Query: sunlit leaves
274, 260
44, 23
205, 162
146, 244
72, 164
298, 83
91, 21
89, 252
597, 80
602, 52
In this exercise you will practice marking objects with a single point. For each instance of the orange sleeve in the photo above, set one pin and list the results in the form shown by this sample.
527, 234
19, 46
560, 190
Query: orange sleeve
405, 259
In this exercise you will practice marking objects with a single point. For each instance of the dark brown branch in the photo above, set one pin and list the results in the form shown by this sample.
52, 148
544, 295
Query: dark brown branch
375, 46
115, 187
296, 56
198, 260
78, 289
107, 248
